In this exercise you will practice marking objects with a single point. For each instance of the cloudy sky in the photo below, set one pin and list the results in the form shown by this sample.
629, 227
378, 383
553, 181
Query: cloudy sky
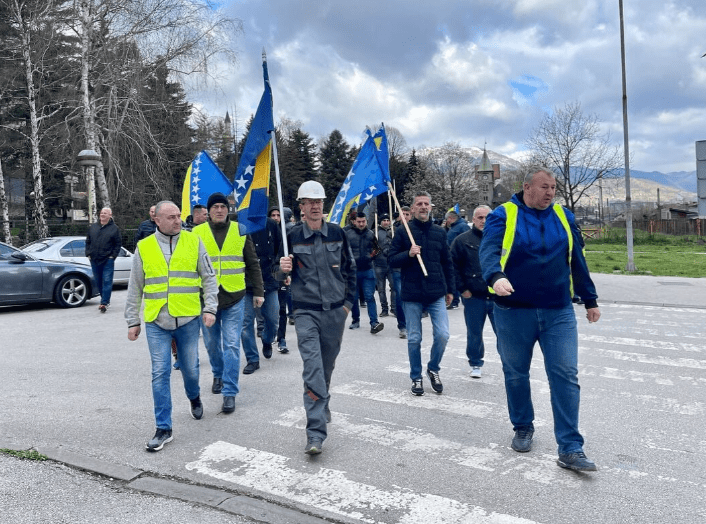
476, 70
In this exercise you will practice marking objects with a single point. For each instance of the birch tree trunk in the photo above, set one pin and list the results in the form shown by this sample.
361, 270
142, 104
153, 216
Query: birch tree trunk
4, 209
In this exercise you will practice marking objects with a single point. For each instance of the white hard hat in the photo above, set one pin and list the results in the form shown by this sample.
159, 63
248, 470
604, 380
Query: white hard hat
311, 189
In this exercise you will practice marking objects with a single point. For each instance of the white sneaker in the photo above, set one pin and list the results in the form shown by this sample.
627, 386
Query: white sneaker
476, 372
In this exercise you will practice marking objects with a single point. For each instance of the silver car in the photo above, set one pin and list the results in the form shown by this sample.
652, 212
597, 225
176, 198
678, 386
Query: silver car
24, 279
73, 249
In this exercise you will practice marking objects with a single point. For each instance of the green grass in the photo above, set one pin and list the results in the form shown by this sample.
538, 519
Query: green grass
24, 454
656, 254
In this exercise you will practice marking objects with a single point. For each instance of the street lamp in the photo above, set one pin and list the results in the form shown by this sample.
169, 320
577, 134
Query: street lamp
89, 159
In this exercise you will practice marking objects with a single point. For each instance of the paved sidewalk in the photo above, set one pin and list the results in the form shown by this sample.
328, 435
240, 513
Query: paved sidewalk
659, 291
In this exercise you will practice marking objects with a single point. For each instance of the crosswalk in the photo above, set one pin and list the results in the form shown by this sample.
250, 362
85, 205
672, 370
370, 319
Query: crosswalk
633, 370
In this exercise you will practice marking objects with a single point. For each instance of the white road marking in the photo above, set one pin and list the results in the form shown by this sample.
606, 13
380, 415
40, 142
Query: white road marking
643, 343
646, 359
330, 490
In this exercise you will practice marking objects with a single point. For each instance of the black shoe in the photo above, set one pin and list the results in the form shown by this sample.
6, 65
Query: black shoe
251, 367
161, 437
363, 305
425, 314
576, 461
196, 408
436, 384
266, 350
377, 327
354, 325
384, 313
228, 404
217, 386
291, 321
522, 441
314, 446
417, 387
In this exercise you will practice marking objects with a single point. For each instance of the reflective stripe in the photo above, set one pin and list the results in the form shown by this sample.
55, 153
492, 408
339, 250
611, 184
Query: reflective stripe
228, 260
184, 289
153, 296
183, 274
233, 271
231, 258
156, 280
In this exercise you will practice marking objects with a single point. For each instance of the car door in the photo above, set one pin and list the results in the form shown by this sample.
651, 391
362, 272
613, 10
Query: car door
123, 265
20, 280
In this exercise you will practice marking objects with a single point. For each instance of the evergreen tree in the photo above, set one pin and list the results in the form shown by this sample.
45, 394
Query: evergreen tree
335, 163
296, 165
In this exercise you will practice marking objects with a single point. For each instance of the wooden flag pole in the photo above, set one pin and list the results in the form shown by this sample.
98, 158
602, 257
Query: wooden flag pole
406, 226
389, 207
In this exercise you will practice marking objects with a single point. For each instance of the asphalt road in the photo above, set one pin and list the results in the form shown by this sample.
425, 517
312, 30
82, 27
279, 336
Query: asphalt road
71, 380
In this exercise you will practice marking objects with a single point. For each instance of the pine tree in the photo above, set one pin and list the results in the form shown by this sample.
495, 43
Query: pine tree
335, 163
296, 165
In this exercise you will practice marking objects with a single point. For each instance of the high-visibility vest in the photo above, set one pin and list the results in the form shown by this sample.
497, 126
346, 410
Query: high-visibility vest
177, 285
228, 261
509, 237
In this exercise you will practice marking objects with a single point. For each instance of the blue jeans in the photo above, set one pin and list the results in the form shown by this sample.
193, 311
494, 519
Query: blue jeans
440, 329
159, 342
399, 310
222, 342
555, 329
103, 273
270, 312
383, 275
474, 312
366, 281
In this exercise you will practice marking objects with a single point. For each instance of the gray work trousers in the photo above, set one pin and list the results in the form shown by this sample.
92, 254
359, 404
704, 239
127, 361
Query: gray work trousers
319, 335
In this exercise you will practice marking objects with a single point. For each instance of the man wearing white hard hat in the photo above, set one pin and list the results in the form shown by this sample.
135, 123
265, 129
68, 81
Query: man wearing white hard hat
323, 280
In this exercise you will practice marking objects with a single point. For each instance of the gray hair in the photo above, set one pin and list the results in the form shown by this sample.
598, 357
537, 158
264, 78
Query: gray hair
481, 207
421, 194
532, 170
163, 203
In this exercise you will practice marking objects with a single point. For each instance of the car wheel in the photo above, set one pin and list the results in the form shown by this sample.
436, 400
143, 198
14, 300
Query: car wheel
72, 291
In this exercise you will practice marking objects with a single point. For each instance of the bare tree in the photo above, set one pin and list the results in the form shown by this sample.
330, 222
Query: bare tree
447, 175
4, 209
571, 144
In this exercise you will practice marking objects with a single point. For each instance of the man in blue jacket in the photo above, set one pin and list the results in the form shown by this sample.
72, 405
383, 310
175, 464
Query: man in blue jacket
432, 292
455, 226
532, 258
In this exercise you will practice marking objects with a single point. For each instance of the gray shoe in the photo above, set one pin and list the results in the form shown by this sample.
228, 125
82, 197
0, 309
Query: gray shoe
354, 325
161, 437
476, 372
577, 461
314, 446
403, 333
522, 441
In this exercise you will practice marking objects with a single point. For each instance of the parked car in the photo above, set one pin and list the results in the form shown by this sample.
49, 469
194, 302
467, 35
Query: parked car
24, 279
73, 249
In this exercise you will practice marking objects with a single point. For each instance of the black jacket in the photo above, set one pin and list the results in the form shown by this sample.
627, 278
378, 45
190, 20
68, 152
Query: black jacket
464, 253
437, 260
384, 241
267, 243
363, 244
103, 242
145, 229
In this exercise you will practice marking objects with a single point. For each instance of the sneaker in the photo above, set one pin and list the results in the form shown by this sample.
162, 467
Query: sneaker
522, 441
217, 386
436, 384
377, 327
314, 446
452, 306
196, 408
576, 461
384, 313
476, 372
291, 321
403, 333
282, 346
103, 308
417, 387
161, 437
251, 368
228, 404
267, 350
354, 325
363, 305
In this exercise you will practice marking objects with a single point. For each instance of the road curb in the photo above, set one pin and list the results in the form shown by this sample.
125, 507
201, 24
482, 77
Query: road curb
653, 304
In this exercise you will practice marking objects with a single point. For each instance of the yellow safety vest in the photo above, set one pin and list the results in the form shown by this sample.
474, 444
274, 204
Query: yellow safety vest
177, 285
511, 227
228, 261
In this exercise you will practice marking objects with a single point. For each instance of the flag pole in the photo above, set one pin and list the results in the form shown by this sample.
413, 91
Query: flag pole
389, 207
406, 226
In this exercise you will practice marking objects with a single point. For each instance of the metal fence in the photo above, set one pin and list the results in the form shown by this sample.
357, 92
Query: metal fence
675, 226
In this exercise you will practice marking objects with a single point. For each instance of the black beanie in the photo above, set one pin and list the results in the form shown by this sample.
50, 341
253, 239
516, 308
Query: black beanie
217, 198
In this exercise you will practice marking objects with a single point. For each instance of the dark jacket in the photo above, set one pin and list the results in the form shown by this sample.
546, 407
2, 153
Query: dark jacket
363, 245
456, 229
384, 241
323, 270
468, 272
267, 243
103, 242
437, 260
145, 229
538, 267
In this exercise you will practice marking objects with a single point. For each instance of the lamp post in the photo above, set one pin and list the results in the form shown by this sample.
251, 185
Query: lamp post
89, 159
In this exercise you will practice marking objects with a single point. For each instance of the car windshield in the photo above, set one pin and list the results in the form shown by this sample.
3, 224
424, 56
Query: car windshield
39, 245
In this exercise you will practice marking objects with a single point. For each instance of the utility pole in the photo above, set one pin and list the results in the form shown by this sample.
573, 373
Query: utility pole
628, 200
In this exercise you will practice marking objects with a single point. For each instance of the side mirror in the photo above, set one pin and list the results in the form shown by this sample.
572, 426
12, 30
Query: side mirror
19, 256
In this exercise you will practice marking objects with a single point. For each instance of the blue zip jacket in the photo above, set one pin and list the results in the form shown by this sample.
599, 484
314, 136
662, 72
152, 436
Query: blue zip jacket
538, 266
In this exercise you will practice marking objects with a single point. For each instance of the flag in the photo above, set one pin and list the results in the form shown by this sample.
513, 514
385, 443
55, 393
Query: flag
252, 179
456, 209
368, 177
203, 178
